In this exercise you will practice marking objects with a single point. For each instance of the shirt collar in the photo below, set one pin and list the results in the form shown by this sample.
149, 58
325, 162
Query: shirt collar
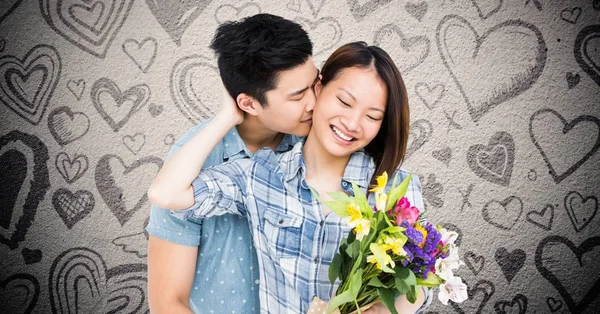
235, 145
360, 167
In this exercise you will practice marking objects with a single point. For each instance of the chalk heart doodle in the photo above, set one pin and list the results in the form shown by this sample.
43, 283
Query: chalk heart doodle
518, 305
134, 143
192, 87
581, 210
361, 8
67, 126
8, 7
89, 25
28, 84
141, 53
407, 52
175, 16
553, 304
479, 295
587, 51
444, 155
31, 256
474, 262
229, 12
486, 70
495, 161
116, 181
572, 79
503, 214
419, 134
571, 15
19, 294
80, 282
325, 32
571, 269
433, 191
76, 88
565, 146
116, 107
510, 262
72, 207
542, 219
429, 95
487, 8
71, 169
23, 184
416, 10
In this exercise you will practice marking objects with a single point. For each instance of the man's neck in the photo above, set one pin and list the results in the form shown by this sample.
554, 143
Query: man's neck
256, 136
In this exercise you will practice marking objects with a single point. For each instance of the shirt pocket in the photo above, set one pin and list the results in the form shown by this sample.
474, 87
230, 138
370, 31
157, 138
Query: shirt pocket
282, 233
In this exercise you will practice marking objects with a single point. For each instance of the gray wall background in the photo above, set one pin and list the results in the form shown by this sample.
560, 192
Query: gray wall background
505, 135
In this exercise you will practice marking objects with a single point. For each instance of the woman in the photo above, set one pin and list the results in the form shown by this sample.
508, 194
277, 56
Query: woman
360, 129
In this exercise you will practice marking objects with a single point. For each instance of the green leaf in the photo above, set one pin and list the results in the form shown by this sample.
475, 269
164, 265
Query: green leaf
411, 296
339, 196
406, 274
387, 299
342, 298
356, 283
375, 282
362, 201
432, 281
335, 267
397, 192
340, 208
353, 249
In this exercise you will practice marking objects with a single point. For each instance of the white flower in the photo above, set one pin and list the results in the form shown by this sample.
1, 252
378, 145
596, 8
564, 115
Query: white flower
448, 237
453, 289
444, 267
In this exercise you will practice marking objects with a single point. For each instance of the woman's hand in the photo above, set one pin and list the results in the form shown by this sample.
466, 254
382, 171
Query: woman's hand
229, 108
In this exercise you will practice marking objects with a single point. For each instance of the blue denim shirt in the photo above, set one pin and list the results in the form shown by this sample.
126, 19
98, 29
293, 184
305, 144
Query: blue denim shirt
226, 278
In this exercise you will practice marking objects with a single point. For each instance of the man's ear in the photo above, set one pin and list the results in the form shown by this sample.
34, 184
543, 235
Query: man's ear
247, 103
318, 88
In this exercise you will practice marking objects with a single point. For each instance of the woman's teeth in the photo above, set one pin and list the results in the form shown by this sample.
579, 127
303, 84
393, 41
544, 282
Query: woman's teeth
341, 135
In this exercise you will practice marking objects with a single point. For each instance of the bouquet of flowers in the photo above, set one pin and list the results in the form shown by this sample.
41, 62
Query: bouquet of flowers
390, 252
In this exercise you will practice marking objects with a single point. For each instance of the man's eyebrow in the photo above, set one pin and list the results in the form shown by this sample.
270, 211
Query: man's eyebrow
300, 91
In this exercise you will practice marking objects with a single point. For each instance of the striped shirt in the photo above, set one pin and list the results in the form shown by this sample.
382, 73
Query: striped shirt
295, 242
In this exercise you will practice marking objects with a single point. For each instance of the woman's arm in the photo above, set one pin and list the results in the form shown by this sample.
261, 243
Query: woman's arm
172, 187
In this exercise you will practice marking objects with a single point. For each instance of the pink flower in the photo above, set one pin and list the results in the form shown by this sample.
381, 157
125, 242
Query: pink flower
406, 212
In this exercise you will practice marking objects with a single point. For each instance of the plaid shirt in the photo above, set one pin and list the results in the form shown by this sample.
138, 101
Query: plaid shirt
295, 242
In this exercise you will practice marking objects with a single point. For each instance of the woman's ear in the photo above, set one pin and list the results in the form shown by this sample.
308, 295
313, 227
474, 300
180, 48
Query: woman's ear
247, 103
318, 88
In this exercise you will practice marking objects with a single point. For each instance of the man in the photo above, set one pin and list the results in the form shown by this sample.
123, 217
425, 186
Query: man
210, 265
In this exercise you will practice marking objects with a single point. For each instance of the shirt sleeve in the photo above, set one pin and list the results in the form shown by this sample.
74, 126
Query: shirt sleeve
219, 190
165, 226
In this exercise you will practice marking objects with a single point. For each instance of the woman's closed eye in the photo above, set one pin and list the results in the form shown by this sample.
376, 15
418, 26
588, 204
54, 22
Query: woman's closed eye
343, 102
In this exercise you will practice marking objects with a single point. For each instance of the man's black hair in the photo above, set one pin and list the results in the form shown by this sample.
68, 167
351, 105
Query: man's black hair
253, 51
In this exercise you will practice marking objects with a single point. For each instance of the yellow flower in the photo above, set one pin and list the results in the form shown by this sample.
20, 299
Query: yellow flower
379, 254
355, 214
381, 183
396, 245
362, 228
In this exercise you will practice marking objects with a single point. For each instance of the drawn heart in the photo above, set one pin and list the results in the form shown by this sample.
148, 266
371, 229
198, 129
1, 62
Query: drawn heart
67, 126
587, 51
142, 54
23, 185
419, 133
31, 256
433, 192
553, 304
113, 175
89, 25
474, 262
416, 10
495, 161
570, 269
325, 32
564, 146
365, 8
518, 305
542, 219
487, 8
134, 143
294, 5
504, 214
175, 16
192, 87
19, 293
7, 8
407, 52
444, 155
570, 15
510, 70
28, 84
581, 210
510, 262
71, 169
72, 207
572, 79
229, 12
155, 110
116, 107
429, 95
482, 292
80, 282
76, 88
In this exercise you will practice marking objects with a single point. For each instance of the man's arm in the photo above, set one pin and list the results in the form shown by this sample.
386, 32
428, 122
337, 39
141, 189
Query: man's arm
170, 276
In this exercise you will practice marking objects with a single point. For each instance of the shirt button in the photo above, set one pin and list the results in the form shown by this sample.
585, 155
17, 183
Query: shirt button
316, 260
345, 183
226, 145
280, 221
322, 222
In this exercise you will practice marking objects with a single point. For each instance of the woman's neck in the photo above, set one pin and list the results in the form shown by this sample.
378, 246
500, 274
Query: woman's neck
320, 164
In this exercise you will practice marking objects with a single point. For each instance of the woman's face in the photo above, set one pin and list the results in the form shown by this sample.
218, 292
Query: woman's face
349, 111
